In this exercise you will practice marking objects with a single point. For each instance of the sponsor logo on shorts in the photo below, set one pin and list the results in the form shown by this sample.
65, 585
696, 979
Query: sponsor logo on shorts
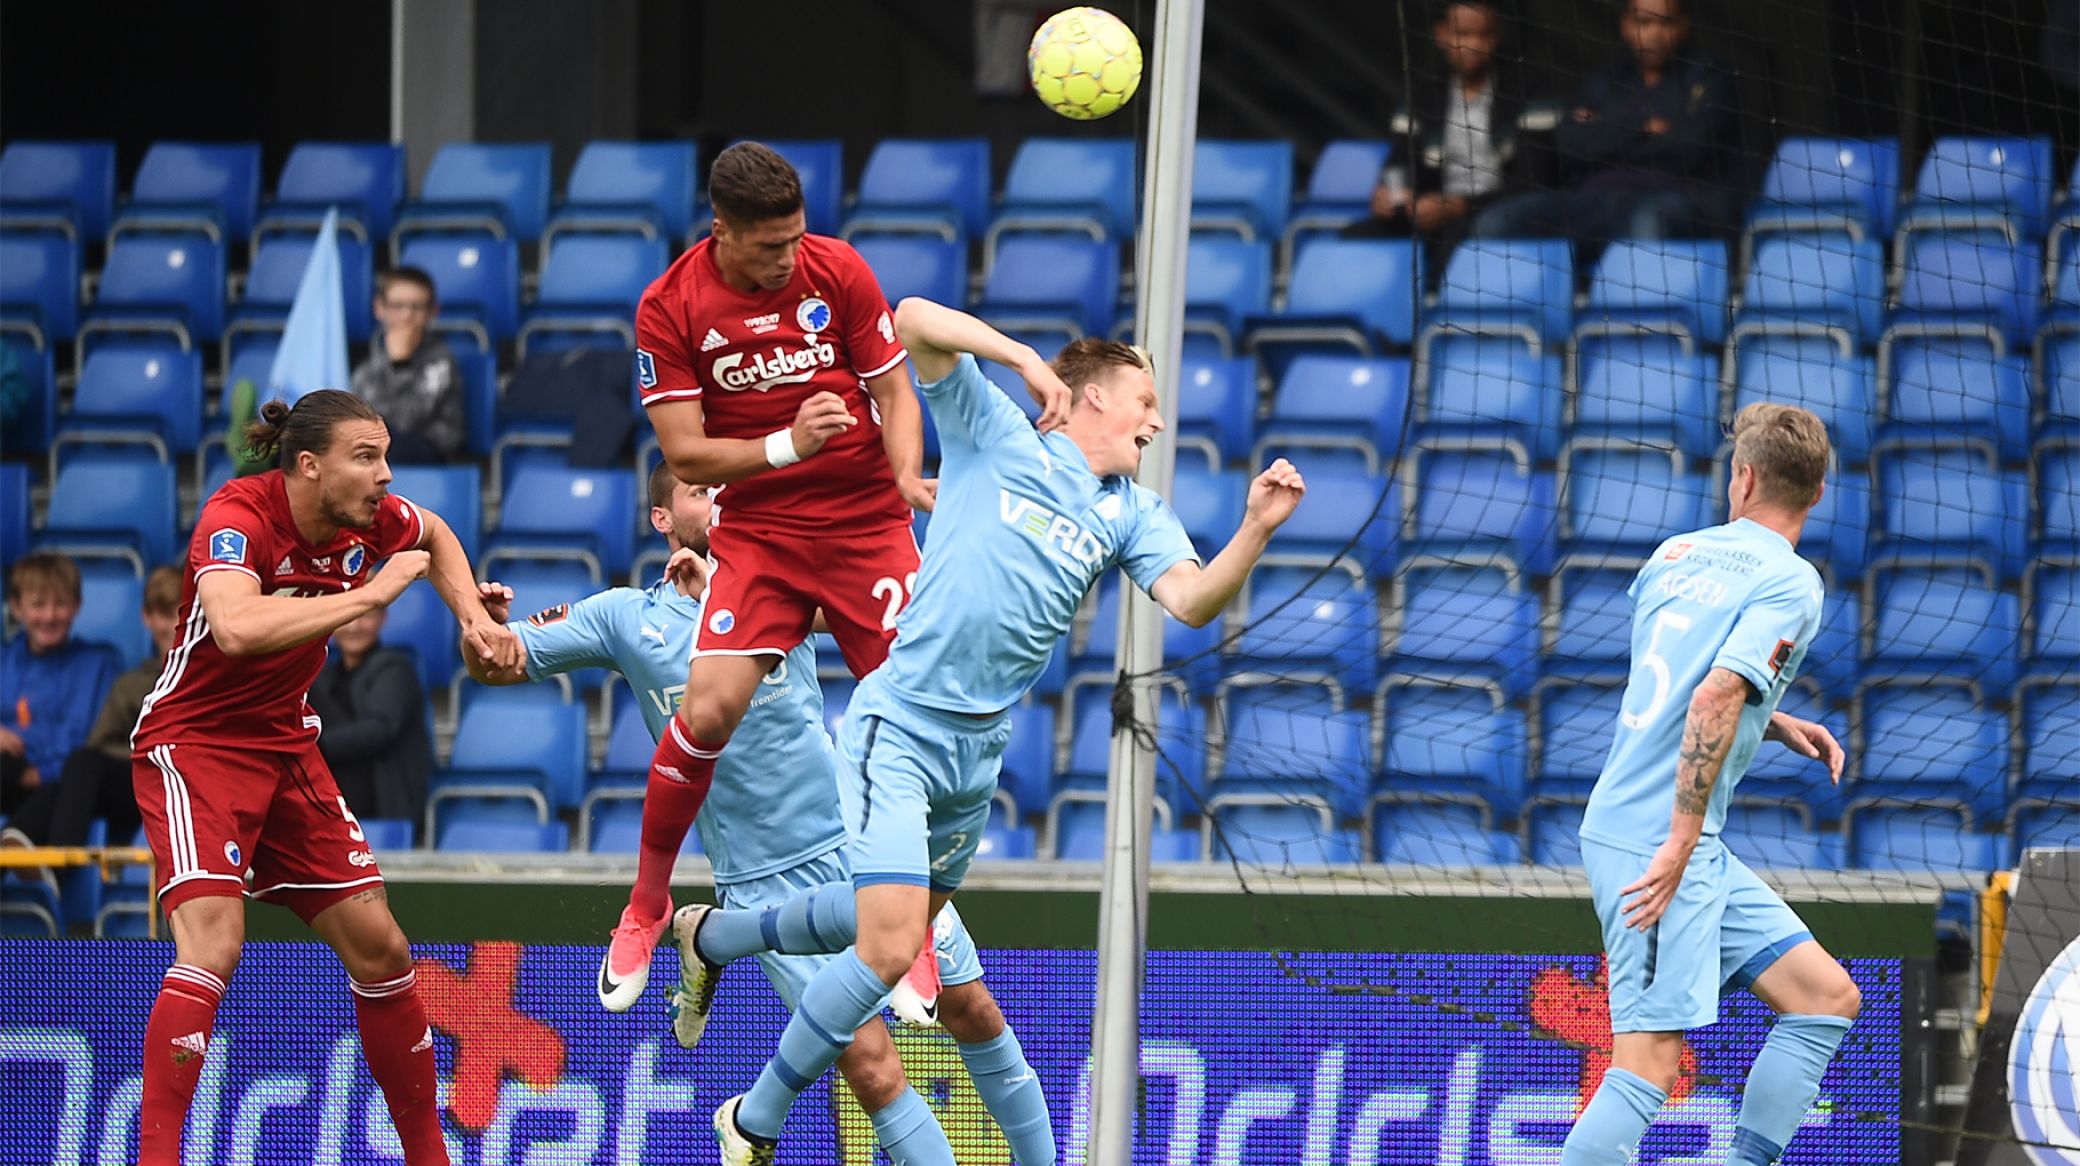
227, 546
722, 622
646, 369
813, 314
231, 853
360, 858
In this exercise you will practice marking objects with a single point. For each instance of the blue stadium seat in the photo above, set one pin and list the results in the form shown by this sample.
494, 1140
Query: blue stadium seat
588, 514
31, 430
1028, 763
541, 586
1180, 737
1217, 407
1838, 387
1647, 389
523, 736
419, 623
1628, 496
936, 186
1828, 184
496, 837
1912, 837
1950, 501
1835, 661
911, 265
1098, 647
2048, 717
1838, 527
113, 503
1485, 386
147, 390
2062, 274
630, 747
1932, 744
820, 163
111, 595
1524, 286
1813, 283
45, 184
385, 835
1452, 739
162, 283
1552, 833
1588, 615
30, 909
1079, 836
646, 188
14, 512
2055, 511
1066, 284
365, 180
1209, 504
277, 269
1352, 295
2046, 827
1242, 187
1227, 282
1943, 621
1277, 836
1776, 836
1777, 774
39, 285
1002, 843
1340, 404
1362, 528
590, 286
1318, 619
615, 826
453, 492
1339, 191
1469, 620
1977, 181
1664, 285
497, 188
211, 187
2051, 614
477, 279
1950, 387
1081, 185
1475, 500
1969, 282
1438, 834
1573, 721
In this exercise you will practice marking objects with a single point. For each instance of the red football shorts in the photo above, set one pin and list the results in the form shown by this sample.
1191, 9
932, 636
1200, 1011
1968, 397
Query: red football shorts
215, 816
764, 590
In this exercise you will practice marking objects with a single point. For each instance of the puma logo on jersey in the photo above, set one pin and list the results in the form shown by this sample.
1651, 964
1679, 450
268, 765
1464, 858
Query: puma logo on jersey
646, 632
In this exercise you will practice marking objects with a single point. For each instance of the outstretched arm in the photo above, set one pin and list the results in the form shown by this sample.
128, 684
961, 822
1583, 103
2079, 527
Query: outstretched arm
1807, 739
937, 335
1708, 732
1197, 595
449, 571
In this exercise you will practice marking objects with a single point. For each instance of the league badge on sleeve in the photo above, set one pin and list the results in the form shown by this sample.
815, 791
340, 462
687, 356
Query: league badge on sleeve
813, 315
227, 546
646, 369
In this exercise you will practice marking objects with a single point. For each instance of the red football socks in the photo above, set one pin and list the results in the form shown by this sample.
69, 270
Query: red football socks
398, 1045
680, 774
176, 1039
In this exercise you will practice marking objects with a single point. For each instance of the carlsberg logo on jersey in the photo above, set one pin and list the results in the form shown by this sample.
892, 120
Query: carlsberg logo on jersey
781, 366
1056, 532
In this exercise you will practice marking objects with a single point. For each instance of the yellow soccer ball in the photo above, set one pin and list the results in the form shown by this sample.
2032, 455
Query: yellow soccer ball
1085, 63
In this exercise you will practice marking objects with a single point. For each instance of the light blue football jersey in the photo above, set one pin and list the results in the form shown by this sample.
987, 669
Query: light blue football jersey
1736, 597
1021, 530
774, 804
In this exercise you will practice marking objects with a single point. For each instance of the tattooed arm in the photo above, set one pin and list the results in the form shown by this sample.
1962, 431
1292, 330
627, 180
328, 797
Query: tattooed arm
1708, 731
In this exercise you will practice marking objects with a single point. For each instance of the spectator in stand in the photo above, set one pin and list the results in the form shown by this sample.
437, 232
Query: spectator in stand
50, 683
14, 389
95, 782
1651, 148
1476, 135
374, 713
410, 377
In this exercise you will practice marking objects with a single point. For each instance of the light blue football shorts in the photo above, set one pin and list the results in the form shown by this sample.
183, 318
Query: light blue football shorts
915, 786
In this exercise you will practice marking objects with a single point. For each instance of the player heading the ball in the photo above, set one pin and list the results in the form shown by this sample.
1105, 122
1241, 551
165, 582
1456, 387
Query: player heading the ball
997, 591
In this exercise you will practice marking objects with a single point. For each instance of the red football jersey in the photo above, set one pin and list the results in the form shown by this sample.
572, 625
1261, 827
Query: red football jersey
204, 696
752, 358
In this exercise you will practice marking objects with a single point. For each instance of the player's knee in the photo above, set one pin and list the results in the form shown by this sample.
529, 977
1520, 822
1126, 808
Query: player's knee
970, 1013
874, 1073
1842, 997
376, 952
889, 952
709, 716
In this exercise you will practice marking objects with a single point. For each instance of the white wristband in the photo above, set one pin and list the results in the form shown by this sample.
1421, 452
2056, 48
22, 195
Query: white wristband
780, 448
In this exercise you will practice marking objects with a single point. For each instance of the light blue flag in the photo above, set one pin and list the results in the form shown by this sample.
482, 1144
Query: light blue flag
313, 354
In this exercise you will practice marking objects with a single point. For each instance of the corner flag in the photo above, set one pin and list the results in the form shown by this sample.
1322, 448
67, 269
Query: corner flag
313, 354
